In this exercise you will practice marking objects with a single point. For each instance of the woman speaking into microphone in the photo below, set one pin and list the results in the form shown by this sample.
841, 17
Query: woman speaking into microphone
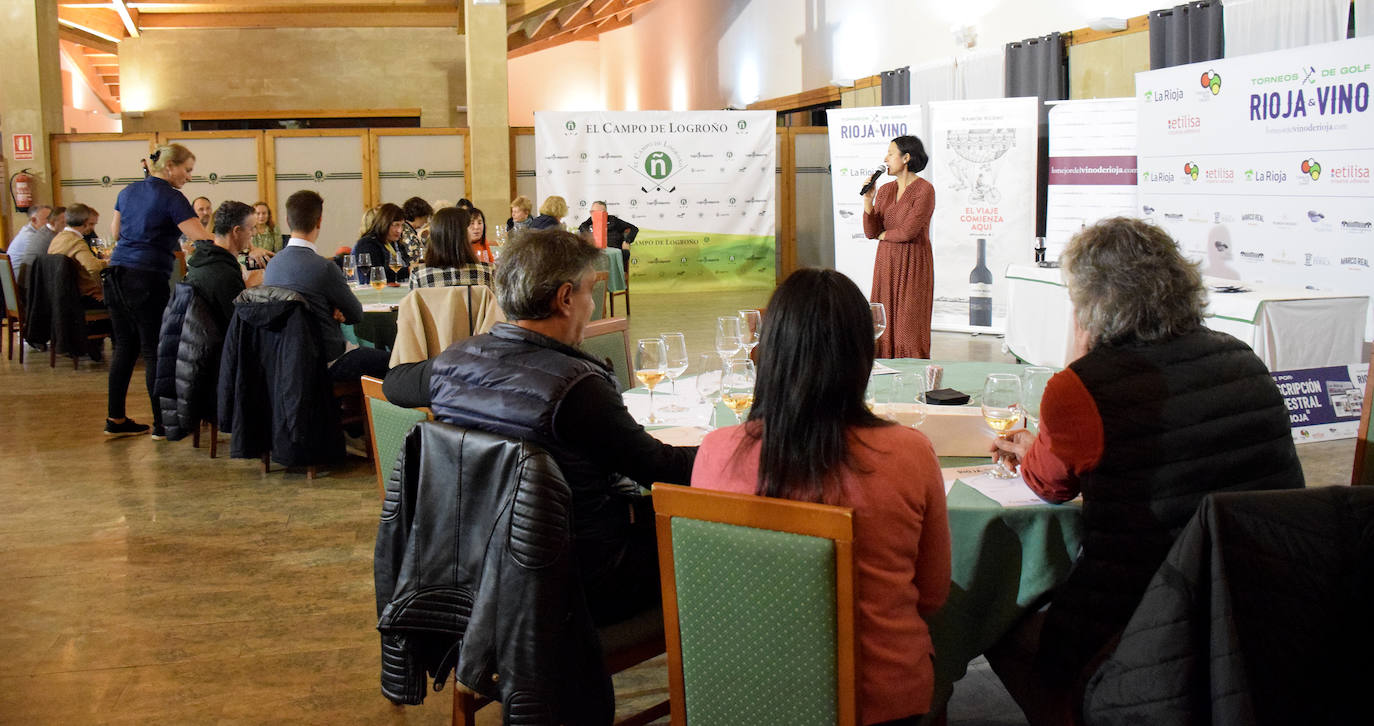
897, 214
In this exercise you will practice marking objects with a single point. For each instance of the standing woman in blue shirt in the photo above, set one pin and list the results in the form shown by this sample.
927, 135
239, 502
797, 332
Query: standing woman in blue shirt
149, 218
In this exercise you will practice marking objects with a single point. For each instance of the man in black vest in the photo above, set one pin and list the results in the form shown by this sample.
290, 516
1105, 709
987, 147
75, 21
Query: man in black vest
1155, 413
526, 380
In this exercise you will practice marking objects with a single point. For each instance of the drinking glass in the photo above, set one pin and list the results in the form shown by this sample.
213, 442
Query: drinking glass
364, 259
750, 320
393, 261
1001, 411
728, 337
1033, 383
651, 366
377, 278
708, 384
902, 384
879, 319
737, 387
350, 270
676, 362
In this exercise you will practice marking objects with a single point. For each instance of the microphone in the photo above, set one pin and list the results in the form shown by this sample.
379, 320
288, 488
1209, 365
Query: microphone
872, 180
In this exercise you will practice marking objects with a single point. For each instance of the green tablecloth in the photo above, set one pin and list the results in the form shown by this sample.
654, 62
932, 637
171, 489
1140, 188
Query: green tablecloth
377, 329
616, 267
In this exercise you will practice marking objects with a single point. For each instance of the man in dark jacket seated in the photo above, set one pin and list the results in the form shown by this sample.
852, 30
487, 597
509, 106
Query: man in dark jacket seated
301, 268
619, 233
526, 380
213, 269
1156, 412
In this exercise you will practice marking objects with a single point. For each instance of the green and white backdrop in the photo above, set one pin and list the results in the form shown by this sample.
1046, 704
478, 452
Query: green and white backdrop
700, 185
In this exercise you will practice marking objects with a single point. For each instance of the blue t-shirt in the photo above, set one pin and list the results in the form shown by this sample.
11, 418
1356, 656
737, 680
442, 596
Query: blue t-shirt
149, 212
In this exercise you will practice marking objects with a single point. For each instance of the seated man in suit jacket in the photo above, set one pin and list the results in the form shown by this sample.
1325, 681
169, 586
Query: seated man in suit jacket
300, 267
71, 242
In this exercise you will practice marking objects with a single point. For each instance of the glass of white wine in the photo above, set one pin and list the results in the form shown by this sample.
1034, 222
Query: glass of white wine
676, 346
651, 367
350, 270
1001, 411
394, 262
737, 387
879, 319
377, 278
1033, 382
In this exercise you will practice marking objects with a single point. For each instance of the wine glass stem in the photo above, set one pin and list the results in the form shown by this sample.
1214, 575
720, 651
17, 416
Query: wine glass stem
652, 418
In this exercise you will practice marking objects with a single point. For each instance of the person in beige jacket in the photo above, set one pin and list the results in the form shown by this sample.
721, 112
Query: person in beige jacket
71, 241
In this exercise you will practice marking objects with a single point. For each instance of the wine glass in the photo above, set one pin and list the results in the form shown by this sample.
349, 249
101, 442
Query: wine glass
708, 384
737, 386
676, 362
651, 366
363, 261
394, 262
728, 337
904, 382
750, 321
1001, 411
879, 319
1033, 383
377, 278
350, 269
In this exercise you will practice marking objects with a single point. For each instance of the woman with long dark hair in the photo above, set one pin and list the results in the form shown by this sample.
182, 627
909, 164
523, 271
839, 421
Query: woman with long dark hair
809, 437
381, 241
449, 260
897, 214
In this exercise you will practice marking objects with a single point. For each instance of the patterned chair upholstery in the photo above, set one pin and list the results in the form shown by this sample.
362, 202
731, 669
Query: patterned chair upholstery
758, 603
387, 426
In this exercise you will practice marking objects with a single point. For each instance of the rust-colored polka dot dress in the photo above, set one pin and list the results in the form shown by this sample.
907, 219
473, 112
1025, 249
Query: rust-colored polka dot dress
904, 270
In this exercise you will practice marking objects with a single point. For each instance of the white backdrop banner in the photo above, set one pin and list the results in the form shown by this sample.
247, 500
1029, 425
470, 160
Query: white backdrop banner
1092, 173
858, 142
1260, 166
700, 185
983, 158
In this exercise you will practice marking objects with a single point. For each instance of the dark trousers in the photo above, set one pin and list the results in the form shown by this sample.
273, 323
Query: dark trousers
360, 362
136, 299
630, 585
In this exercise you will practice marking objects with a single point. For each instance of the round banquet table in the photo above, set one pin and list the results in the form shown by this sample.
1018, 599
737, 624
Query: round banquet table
377, 329
1004, 560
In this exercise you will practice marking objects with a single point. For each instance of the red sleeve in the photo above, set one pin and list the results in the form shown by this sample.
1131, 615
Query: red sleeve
873, 221
907, 219
1070, 440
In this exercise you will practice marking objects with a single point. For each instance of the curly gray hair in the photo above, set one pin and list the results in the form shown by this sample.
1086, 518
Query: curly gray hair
1129, 284
534, 266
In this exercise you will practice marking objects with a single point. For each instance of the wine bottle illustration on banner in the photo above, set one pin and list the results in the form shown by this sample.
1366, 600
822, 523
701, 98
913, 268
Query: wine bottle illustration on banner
980, 289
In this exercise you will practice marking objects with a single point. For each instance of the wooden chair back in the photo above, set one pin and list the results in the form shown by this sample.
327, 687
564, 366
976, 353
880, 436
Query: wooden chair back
599, 340
387, 426
14, 307
785, 533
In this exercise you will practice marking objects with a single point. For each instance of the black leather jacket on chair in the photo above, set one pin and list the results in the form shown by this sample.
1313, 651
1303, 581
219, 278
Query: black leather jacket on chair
474, 575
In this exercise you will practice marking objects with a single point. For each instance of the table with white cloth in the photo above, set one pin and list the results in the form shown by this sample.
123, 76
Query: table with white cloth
1004, 560
1288, 328
377, 329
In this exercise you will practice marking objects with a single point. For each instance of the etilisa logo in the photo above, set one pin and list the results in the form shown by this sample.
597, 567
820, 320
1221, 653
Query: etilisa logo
1311, 168
1211, 80
1190, 169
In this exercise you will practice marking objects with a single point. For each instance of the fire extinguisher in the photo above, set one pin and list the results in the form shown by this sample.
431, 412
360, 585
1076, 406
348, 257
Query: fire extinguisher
21, 188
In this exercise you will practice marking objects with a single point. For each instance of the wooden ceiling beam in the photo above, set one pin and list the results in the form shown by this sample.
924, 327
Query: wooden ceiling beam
586, 32
100, 23
72, 52
448, 17
126, 16
81, 37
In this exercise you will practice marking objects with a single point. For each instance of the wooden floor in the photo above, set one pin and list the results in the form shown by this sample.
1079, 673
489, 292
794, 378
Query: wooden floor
144, 583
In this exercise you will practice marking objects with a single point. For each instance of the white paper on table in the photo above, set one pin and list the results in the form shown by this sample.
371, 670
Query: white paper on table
679, 435
881, 370
1007, 492
954, 473
378, 307
694, 414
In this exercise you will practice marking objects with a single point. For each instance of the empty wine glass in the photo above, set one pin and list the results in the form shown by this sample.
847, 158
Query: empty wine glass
728, 338
737, 387
879, 319
1001, 411
910, 384
1033, 383
708, 384
675, 345
650, 368
750, 320
350, 270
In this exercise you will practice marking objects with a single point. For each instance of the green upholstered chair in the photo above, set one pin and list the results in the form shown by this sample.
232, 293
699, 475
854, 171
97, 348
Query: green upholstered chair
13, 308
1363, 472
758, 608
599, 296
610, 339
387, 426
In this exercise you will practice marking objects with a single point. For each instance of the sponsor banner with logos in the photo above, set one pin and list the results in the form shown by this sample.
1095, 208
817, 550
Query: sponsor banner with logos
859, 138
1092, 167
1260, 166
1323, 403
700, 185
983, 163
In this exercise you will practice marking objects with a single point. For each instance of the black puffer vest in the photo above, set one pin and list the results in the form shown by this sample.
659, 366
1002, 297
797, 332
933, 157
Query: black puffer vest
1194, 415
511, 382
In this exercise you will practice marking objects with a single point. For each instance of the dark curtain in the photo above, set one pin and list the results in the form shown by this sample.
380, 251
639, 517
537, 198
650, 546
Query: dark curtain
1186, 34
1038, 67
897, 87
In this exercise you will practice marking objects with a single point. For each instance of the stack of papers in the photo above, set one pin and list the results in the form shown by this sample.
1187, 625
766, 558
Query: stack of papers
1006, 492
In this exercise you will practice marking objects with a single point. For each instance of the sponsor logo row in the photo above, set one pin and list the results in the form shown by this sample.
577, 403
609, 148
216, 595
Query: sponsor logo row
1306, 171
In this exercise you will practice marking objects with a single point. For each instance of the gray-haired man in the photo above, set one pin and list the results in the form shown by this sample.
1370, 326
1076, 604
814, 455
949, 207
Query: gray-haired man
553, 394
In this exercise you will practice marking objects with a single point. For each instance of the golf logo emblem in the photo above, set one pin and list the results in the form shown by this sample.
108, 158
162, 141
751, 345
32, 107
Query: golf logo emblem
319, 175
658, 165
213, 178
571, 125
743, 125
